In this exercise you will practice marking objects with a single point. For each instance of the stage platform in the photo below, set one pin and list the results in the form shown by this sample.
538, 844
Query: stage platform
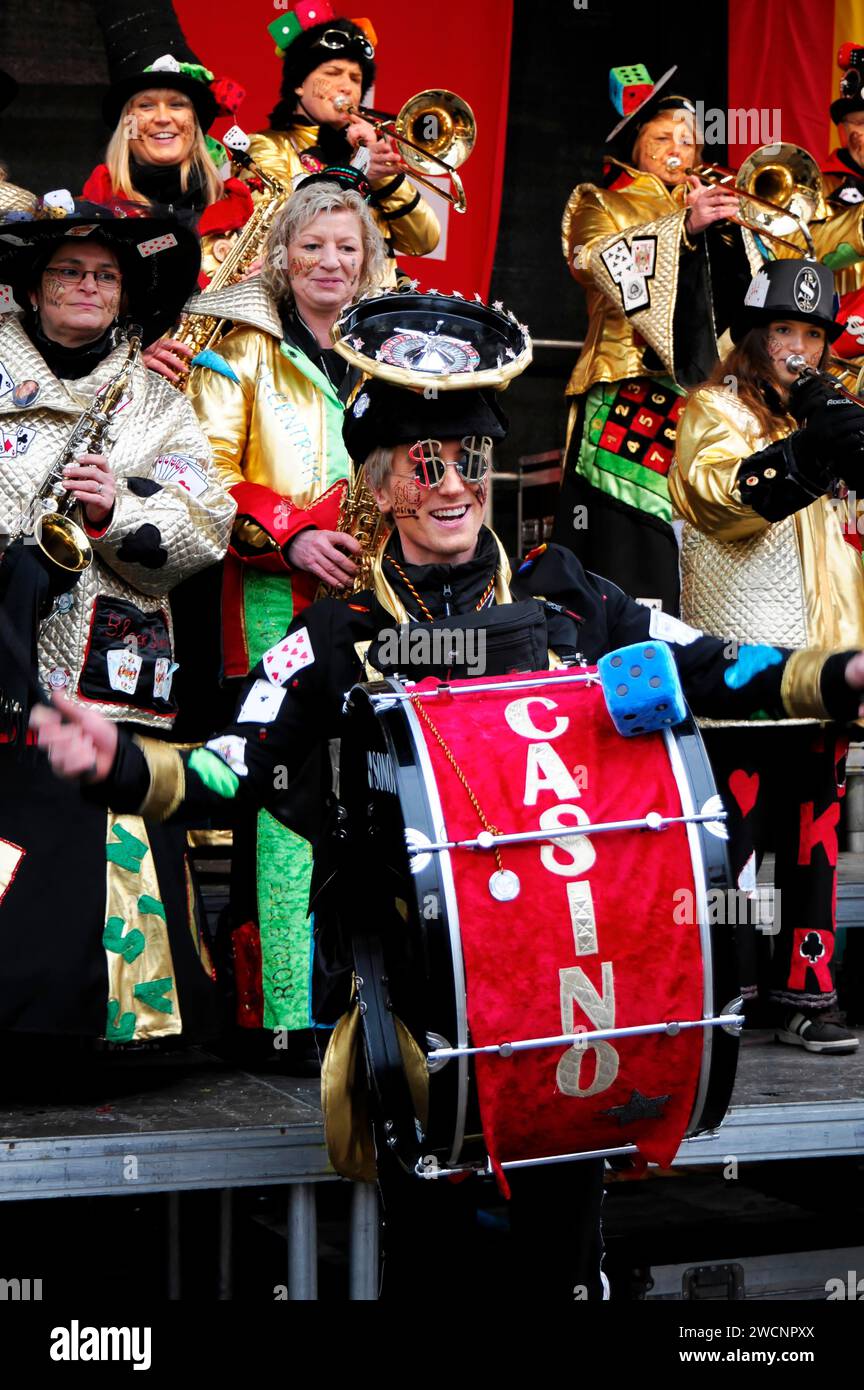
191, 1120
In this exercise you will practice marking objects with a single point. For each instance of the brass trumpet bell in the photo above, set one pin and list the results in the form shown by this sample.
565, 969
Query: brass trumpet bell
787, 176
441, 129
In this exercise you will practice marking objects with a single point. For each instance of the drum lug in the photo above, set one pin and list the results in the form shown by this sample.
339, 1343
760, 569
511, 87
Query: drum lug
434, 1041
735, 1007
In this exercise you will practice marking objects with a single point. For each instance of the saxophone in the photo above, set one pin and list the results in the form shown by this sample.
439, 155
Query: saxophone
202, 331
60, 537
359, 517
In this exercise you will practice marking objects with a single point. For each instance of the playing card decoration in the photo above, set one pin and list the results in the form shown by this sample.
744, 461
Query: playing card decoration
288, 657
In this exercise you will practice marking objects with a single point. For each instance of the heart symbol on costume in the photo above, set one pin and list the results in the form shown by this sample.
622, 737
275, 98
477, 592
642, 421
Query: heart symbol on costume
744, 787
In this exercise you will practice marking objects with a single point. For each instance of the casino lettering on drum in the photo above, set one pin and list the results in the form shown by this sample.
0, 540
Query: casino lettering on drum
569, 858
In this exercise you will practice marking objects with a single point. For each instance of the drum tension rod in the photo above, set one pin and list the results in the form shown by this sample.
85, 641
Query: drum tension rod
475, 688
731, 1022
486, 840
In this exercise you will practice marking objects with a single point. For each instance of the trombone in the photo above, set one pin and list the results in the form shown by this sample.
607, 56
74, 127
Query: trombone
784, 180
438, 131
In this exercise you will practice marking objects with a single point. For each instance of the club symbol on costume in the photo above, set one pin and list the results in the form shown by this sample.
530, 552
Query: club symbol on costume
23, 438
812, 947
25, 393
638, 1107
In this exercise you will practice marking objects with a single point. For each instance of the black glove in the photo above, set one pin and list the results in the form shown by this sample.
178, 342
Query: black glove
810, 392
784, 478
834, 435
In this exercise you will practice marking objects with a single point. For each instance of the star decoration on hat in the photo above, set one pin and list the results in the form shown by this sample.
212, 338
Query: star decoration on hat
510, 353
499, 305
638, 1107
457, 295
414, 285
356, 343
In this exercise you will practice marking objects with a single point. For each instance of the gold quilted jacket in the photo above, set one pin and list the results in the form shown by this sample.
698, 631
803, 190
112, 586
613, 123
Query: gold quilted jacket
14, 199
158, 534
413, 233
274, 431
796, 582
593, 221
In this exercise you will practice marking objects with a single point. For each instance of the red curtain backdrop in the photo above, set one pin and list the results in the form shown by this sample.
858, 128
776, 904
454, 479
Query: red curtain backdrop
783, 53
465, 50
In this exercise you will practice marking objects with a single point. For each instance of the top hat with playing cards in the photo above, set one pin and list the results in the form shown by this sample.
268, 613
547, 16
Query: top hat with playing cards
146, 47
800, 290
8, 89
159, 258
648, 100
432, 341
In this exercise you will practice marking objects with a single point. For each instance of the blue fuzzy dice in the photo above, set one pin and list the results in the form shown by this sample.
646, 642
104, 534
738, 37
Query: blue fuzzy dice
642, 688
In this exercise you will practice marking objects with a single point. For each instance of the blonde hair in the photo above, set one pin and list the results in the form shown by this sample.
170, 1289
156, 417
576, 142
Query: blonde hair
378, 466
120, 173
302, 208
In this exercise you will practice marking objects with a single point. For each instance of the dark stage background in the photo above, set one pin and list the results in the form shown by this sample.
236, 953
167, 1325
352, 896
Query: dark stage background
559, 113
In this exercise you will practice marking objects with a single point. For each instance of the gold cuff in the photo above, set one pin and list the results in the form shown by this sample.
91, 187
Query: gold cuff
800, 688
167, 778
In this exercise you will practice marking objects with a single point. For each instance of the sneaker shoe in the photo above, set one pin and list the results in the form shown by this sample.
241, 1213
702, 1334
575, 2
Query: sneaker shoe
824, 1031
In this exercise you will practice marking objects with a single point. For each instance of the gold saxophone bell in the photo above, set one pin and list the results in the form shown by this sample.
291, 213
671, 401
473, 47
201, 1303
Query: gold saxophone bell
63, 542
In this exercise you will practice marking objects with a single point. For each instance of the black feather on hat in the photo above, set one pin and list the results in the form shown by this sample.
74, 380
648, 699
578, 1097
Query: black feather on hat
138, 35
159, 258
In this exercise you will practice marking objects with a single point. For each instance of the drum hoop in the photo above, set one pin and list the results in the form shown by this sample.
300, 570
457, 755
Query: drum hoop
452, 908
700, 878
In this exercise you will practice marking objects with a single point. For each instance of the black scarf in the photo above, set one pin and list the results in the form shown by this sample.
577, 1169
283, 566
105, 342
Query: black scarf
70, 363
341, 375
445, 589
160, 185
330, 146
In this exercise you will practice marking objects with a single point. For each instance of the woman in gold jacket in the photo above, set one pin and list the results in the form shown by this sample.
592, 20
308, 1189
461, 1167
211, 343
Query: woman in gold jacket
271, 402
771, 552
307, 133
663, 272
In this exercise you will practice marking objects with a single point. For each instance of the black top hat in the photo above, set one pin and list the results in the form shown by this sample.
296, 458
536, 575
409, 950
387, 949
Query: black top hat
620, 141
159, 258
383, 415
791, 289
433, 340
138, 36
8, 89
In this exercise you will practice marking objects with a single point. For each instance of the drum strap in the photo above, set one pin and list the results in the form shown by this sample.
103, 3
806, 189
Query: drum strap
391, 1101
